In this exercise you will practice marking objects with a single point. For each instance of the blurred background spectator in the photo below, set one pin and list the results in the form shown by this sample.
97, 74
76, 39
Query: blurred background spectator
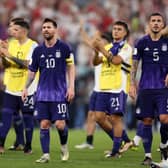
97, 14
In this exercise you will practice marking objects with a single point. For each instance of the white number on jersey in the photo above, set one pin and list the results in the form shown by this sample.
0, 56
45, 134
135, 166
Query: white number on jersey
50, 63
155, 56
62, 108
115, 102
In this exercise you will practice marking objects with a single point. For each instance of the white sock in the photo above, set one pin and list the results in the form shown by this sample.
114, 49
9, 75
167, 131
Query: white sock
137, 140
64, 147
163, 145
148, 155
46, 154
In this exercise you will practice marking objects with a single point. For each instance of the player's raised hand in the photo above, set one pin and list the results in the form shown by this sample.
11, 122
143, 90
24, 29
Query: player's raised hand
5, 44
3, 52
89, 41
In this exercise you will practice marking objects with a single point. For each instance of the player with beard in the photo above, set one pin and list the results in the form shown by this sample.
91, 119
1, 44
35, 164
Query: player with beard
152, 88
54, 59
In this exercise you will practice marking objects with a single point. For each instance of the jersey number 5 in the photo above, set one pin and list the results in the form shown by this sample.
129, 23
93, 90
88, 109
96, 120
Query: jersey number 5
155, 56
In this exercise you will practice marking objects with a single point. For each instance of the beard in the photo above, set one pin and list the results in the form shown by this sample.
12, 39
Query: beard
48, 37
155, 30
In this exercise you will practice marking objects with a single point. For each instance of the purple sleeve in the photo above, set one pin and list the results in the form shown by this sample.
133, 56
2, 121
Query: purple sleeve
34, 64
68, 51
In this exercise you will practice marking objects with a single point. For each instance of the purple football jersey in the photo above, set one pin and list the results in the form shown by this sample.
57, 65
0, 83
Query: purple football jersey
154, 56
51, 63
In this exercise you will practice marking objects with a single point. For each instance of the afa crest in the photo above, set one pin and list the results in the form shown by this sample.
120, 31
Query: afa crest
164, 47
58, 54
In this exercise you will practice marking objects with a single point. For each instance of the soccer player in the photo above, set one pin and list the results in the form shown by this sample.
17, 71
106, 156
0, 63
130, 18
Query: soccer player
152, 89
91, 122
114, 67
53, 58
18, 53
17, 119
106, 38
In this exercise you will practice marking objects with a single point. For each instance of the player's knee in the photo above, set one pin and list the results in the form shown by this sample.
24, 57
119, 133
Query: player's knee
45, 124
147, 121
60, 124
164, 119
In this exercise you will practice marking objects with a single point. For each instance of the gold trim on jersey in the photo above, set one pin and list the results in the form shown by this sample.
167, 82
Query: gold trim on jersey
70, 60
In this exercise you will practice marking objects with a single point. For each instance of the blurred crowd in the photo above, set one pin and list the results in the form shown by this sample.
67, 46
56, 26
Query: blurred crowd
96, 14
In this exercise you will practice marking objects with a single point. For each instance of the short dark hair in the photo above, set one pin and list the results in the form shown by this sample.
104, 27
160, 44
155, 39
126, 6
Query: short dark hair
123, 24
22, 23
50, 20
16, 19
157, 14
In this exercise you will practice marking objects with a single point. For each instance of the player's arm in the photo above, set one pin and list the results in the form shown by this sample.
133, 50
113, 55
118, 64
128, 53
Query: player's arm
31, 76
20, 62
133, 85
164, 31
86, 39
115, 59
134, 71
71, 85
92, 43
97, 59
166, 81
5, 63
5, 53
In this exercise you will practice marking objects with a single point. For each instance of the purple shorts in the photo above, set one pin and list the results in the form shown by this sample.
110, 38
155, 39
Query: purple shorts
13, 104
92, 101
151, 103
111, 103
52, 111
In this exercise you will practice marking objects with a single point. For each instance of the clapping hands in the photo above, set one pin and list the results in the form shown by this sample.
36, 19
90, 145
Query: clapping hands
3, 48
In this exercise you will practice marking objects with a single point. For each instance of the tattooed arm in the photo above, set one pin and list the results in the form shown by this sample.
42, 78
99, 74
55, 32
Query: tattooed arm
133, 87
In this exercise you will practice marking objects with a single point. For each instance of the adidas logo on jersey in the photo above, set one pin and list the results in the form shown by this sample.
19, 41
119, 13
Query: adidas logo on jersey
42, 56
146, 49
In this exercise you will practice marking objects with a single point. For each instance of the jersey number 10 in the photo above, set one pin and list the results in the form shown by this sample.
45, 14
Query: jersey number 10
50, 63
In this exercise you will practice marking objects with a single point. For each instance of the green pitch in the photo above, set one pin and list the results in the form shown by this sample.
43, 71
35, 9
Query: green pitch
78, 158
